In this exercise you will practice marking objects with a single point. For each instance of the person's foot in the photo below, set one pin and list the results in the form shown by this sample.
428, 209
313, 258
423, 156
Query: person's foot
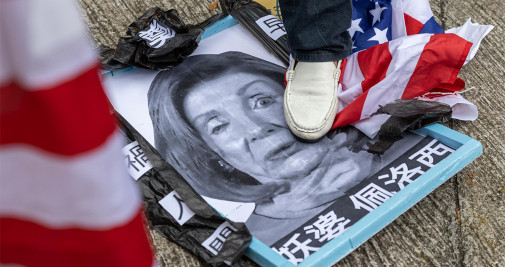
310, 99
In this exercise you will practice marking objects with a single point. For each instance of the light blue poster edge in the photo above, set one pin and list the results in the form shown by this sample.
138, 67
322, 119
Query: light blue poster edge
467, 149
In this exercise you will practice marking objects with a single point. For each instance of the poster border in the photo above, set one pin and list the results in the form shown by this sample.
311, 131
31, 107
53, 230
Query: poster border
466, 150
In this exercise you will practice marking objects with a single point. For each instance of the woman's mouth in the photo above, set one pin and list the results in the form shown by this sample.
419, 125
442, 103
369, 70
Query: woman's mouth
281, 152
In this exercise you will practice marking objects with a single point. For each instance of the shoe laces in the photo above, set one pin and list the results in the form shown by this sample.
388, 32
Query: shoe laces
338, 71
290, 75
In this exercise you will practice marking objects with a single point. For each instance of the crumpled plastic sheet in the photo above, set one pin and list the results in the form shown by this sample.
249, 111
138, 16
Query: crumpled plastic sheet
108, 61
163, 179
407, 114
247, 12
156, 40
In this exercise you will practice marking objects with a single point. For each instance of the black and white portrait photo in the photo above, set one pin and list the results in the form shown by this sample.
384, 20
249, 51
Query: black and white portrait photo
218, 119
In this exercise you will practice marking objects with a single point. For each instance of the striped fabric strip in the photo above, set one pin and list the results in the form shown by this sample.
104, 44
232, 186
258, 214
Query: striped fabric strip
422, 65
412, 25
91, 190
414, 65
419, 10
438, 65
73, 110
419, 18
30, 244
65, 196
411, 17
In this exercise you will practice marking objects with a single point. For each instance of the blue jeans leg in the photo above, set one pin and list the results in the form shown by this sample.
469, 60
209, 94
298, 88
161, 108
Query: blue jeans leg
317, 29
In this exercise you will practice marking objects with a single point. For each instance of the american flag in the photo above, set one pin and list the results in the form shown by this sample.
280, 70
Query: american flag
65, 196
402, 53
379, 21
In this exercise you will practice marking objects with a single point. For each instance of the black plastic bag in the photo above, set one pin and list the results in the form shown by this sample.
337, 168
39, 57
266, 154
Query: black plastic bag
156, 40
108, 61
163, 179
407, 114
251, 15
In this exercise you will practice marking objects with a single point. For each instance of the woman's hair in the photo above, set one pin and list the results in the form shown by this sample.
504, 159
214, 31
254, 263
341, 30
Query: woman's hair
181, 144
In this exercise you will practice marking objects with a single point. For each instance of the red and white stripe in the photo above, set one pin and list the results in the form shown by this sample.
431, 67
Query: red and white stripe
404, 68
409, 17
416, 13
65, 196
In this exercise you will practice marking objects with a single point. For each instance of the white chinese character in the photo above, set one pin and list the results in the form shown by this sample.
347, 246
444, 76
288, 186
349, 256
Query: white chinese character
425, 155
370, 197
157, 34
296, 245
404, 172
327, 227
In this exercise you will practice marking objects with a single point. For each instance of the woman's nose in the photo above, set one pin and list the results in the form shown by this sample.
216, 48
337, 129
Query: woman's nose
260, 131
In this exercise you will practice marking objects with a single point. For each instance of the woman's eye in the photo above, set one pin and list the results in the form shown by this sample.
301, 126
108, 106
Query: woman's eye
263, 102
215, 126
218, 129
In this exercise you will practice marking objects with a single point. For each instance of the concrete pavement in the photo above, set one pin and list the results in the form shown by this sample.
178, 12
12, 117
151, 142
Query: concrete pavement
462, 223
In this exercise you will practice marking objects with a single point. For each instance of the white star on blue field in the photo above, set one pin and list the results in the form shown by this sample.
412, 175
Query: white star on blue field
371, 23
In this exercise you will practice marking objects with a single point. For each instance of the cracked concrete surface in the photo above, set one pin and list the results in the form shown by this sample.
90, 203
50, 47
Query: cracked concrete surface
462, 223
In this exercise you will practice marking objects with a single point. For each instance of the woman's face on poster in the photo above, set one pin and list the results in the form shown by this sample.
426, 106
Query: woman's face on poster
240, 116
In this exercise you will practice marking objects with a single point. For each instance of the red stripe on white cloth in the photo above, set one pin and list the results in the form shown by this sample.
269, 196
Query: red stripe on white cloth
405, 55
68, 119
350, 83
474, 33
406, 11
406, 52
413, 66
65, 196
412, 25
439, 64
374, 65
403, 64
418, 9
367, 68
24, 242
92, 190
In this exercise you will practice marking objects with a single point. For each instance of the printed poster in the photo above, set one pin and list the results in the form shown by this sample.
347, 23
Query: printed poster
218, 119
